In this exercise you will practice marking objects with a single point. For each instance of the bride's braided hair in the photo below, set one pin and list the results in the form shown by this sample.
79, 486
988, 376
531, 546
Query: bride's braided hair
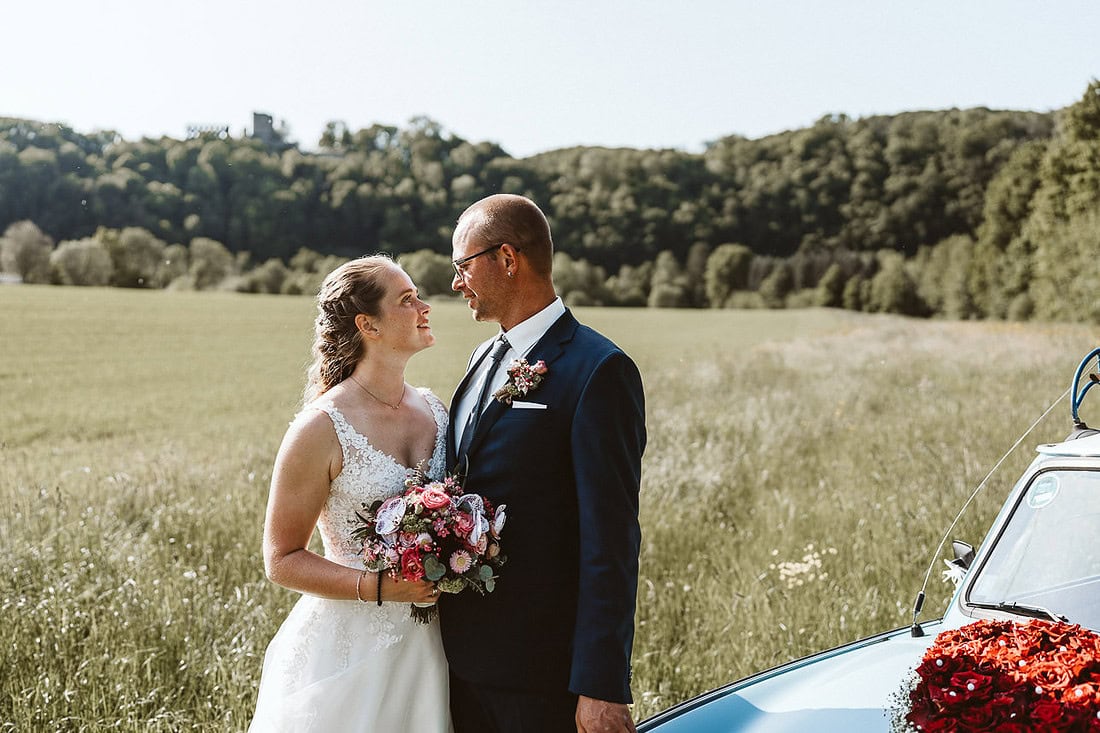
352, 288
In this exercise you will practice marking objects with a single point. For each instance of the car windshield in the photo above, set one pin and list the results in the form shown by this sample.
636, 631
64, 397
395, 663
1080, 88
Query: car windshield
1048, 555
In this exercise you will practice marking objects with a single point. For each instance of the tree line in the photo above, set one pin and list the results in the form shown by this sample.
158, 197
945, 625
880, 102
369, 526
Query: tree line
963, 213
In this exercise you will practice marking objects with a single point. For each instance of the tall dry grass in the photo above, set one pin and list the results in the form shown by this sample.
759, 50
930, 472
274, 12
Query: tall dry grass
800, 470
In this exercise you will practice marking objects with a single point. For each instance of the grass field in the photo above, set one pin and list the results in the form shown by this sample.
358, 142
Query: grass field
802, 466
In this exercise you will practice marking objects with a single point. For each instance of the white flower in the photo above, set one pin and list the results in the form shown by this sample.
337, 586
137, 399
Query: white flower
461, 561
390, 515
953, 574
499, 518
475, 505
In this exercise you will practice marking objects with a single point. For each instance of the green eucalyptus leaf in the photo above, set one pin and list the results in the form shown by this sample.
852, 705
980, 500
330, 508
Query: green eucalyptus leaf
433, 569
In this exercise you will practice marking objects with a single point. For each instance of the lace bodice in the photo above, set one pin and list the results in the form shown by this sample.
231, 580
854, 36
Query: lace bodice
368, 474
323, 640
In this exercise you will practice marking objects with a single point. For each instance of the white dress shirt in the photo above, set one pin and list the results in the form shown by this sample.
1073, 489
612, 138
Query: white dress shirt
522, 337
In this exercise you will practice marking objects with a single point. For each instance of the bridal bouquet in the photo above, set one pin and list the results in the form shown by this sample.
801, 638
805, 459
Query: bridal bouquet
433, 531
1005, 676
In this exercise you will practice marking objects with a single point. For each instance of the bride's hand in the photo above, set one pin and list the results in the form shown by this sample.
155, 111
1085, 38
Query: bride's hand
408, 591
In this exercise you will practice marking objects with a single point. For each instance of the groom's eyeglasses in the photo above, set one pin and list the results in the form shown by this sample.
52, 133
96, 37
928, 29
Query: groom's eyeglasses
460, 264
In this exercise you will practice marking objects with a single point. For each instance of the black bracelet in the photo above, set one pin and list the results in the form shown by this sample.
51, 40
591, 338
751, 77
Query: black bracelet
379, 586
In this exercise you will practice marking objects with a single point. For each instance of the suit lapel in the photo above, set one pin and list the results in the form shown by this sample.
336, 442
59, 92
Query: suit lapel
548, 348
475, 362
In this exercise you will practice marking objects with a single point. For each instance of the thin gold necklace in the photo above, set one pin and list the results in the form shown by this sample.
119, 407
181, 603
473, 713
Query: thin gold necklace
372, 394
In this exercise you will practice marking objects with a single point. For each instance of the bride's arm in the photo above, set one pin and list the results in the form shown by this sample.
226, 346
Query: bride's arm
307, 460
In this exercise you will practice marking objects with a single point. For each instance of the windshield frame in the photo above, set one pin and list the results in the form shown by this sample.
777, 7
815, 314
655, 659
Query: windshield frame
974, 608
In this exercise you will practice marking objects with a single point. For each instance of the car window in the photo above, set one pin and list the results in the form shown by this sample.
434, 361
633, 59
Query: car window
1049, 552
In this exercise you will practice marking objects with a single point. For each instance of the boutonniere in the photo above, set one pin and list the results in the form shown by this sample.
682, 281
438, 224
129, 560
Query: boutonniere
522, 378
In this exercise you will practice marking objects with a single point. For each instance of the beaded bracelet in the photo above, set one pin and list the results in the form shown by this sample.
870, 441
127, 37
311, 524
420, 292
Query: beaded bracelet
379, 584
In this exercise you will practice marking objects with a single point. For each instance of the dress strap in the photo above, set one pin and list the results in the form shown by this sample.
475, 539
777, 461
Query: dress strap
439, 410
345, 433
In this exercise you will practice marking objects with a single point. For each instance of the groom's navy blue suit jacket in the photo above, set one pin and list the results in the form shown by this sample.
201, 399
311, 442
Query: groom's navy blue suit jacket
562, 614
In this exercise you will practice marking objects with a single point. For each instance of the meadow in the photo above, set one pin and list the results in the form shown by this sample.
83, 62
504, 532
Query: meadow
801, 469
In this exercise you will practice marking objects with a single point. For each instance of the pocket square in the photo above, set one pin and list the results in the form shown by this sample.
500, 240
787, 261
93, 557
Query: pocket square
518, 405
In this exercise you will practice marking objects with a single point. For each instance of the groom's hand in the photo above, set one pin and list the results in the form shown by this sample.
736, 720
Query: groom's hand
600, 716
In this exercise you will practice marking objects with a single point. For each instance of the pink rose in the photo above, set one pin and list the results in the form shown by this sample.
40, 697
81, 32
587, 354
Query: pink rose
434, 497
464, 524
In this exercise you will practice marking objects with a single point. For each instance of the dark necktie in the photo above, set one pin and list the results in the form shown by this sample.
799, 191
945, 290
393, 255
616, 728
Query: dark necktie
475, 414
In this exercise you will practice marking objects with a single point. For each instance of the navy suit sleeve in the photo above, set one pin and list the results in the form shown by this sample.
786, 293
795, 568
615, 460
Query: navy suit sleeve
608, 438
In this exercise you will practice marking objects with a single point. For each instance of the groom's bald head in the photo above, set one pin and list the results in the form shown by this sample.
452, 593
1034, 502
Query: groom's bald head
506, 218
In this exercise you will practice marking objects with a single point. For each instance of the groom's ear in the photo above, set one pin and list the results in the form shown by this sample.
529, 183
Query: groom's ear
366, 326
508, 253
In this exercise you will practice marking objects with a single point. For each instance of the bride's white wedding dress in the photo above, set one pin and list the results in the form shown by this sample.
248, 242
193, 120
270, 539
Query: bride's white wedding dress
346, 666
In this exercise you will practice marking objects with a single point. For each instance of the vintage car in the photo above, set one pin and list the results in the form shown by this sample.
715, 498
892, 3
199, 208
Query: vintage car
1040, 559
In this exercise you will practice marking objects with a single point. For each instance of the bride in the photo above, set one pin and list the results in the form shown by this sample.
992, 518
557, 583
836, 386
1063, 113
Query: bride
349, 657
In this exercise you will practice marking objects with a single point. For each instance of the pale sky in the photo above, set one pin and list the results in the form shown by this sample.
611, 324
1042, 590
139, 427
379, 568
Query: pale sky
534, 76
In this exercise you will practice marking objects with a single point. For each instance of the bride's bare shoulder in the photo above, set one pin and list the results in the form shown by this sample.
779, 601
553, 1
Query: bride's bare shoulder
314, 426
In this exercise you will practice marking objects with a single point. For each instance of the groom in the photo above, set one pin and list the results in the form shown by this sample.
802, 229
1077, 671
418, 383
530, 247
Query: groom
549, 649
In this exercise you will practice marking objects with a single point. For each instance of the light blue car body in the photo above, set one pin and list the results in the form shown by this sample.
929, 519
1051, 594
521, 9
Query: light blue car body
849, 688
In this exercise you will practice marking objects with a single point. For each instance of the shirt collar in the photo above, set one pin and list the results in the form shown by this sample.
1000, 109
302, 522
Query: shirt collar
523, 336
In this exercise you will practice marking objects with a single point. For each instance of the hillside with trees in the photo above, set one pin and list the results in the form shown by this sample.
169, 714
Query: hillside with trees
962, 213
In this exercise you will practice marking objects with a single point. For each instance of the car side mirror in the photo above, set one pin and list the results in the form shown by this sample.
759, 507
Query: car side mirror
964, 554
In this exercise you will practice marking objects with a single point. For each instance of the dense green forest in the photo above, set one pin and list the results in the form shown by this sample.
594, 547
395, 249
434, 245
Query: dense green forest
964, 213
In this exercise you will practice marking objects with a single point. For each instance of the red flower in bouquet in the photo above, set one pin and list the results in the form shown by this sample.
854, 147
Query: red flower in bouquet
437, 532
412, 567
1005, 676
